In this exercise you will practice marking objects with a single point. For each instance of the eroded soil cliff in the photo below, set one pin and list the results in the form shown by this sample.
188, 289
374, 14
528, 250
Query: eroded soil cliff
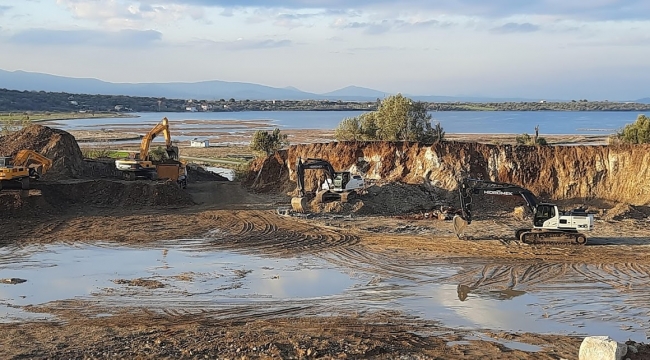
616, 173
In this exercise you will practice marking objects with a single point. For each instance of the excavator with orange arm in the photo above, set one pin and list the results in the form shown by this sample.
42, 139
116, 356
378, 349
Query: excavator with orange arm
141, 165
550, 225
22, 168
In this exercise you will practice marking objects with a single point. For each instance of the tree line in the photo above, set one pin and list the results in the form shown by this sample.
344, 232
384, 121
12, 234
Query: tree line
14, 100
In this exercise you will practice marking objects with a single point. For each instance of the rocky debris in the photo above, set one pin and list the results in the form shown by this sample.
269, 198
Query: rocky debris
387, 199
601, 348
637, 351
57, 145
197, 173
626, 211
616, 173
12, 281
149, 284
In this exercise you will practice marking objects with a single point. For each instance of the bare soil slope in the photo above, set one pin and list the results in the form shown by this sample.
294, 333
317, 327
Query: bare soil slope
57, 145
617, 173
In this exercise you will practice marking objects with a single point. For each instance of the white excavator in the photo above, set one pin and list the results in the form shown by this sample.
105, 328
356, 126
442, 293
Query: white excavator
337, 186
140, 164
550, 225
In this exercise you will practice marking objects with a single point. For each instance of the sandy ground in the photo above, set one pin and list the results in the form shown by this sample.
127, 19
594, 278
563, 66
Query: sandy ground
137, 332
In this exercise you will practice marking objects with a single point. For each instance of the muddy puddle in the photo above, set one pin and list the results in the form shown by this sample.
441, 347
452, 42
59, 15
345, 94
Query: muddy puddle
190, 276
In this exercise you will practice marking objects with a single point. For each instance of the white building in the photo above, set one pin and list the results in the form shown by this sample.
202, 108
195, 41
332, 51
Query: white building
204, 143
191, 108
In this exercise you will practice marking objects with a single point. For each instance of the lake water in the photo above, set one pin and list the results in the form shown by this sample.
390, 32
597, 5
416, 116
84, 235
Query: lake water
483, 122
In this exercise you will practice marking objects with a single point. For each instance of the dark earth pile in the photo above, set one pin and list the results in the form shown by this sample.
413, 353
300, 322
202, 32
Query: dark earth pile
57, 145
197, 173
57, 198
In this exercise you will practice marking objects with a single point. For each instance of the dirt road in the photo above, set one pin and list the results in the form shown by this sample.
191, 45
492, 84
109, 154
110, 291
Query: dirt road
229, 277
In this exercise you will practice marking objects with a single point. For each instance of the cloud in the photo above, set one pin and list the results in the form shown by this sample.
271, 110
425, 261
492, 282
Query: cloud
380, 27
515, 28
576, 9
4, 9
121, 12
243, 44
122, 38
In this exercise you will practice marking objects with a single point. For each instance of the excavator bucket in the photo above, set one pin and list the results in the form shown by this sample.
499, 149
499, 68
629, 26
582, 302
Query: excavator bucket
172, 152
459, 225
299, 204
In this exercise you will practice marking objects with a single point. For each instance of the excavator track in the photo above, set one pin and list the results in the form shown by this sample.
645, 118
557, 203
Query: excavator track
552, 238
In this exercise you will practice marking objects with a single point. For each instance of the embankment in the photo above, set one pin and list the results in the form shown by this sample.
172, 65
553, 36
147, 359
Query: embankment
616, 173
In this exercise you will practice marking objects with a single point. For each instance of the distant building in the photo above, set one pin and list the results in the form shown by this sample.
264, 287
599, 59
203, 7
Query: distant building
191, 108
204, 143
119, 107
74, 103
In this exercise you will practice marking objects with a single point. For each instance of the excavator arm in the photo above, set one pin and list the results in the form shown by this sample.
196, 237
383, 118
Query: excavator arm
469, 187
162, 127
311, 164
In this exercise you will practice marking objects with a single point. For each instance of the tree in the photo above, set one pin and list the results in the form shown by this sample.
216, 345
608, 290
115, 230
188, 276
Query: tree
637, 132
266, 143
397, 118
438, 133
348, 130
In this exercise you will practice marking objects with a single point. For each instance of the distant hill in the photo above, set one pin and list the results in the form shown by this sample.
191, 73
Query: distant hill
356, 91
643, 101
206, 90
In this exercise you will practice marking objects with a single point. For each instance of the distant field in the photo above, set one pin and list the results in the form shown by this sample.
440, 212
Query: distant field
48, 116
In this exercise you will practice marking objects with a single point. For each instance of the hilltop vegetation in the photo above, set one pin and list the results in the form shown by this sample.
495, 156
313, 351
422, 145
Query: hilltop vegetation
24, 101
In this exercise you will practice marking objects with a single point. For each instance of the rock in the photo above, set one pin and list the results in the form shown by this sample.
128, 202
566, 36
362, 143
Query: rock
12, 281
601, 348
632, 349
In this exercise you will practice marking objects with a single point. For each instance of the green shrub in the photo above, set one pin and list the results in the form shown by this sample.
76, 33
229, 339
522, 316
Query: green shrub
637, 132
266, 143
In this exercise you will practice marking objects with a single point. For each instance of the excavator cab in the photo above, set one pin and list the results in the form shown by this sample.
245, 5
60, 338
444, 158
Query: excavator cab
6, 162
544, 212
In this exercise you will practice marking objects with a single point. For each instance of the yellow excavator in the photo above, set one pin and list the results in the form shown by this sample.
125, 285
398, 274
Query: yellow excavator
23, 167
140, 164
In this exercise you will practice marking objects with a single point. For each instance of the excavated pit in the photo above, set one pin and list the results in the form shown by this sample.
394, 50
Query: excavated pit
573, 174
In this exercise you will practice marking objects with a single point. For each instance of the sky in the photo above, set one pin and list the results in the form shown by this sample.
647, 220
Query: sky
547, 49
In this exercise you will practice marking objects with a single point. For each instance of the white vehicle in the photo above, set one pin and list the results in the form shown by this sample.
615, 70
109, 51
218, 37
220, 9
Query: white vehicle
338, 186
550, 225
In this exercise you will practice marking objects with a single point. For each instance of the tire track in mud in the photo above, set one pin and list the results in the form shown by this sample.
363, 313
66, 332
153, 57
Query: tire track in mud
268, 234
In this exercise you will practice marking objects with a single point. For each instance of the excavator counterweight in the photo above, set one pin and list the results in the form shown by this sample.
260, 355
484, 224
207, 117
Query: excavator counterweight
550, 225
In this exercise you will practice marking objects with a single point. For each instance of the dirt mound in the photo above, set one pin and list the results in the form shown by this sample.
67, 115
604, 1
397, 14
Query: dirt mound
387, 199
269, 174
197, 173
56, 198
57, 145
625, 211
106, 193
17, 203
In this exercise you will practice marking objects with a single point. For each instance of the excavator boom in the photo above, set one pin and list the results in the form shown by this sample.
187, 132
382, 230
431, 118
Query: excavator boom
142, 166
550, 225
162, 127
29, 158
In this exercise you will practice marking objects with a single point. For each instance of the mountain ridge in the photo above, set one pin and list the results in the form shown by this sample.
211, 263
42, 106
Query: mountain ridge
213, 90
